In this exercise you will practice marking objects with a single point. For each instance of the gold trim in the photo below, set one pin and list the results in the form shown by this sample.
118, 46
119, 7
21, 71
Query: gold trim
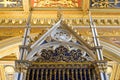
89, 74
50, 74
85, 74
33, 72
28, 74
37, 74
76, 72
72, 71
2, 73
55, 9
94, 78
81, 74
46, 74
63, 73
42, 74
11, 9
67, 74
55, 74
110, 10
59, 73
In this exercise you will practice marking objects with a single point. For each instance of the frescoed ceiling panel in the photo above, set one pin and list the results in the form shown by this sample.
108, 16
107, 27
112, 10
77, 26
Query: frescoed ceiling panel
105, 3
10, 3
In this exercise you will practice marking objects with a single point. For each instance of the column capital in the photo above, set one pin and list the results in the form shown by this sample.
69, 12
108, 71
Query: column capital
22, 65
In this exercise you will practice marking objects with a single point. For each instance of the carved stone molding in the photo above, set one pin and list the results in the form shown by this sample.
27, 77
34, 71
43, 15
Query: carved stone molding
62, 65
102, 21
21, 66
101, 66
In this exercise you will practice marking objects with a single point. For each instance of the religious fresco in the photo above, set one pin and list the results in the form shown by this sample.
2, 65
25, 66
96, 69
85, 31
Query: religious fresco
105, 3
10, 3
56, 3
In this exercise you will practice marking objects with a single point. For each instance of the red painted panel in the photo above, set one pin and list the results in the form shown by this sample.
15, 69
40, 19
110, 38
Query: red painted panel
32, 3
79, 3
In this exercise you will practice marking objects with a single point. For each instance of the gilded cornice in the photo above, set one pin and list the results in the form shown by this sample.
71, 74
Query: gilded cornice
76, 19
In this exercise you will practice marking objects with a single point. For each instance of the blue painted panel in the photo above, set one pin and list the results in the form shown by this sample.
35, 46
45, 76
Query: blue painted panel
100, 4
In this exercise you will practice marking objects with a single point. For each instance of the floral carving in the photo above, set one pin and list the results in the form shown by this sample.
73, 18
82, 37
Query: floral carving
46, 54
61, 50
62, 53
76, 54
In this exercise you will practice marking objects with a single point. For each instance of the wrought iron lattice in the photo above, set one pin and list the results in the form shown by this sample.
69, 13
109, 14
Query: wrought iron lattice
62, 72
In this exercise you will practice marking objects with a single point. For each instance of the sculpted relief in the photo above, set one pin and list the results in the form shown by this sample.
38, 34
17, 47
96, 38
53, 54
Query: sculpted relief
56, 3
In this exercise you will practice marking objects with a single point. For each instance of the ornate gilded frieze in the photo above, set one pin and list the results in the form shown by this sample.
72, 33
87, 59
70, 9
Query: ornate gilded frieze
53, 4
62, 65
102, 21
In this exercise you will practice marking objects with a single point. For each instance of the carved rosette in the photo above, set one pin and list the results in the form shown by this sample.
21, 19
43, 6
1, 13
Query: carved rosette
61, 35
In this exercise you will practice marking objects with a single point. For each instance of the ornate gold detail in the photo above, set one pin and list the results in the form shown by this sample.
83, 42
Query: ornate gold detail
101, 65
73, 21
22, 66
51, 3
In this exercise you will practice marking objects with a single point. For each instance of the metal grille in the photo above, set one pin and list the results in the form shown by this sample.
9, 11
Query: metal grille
61, 74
